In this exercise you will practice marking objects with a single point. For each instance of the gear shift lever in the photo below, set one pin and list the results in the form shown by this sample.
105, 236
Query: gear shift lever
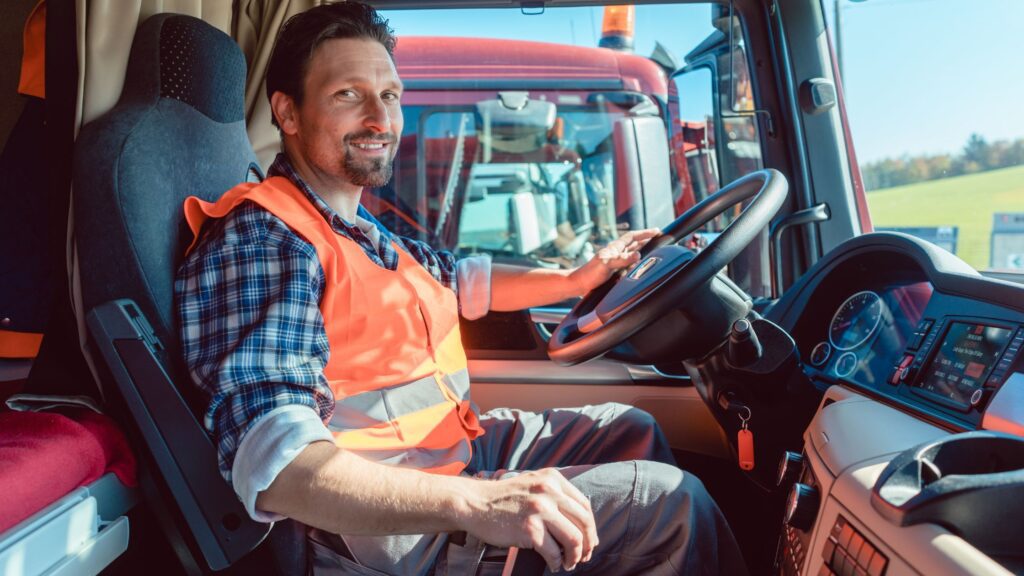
744, 348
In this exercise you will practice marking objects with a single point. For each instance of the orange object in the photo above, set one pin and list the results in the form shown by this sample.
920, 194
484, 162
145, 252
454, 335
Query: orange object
33, 59
745, 447
397, 367
19, 344
618, 21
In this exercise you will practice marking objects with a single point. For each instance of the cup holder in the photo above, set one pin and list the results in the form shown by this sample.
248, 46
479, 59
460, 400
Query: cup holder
972, 484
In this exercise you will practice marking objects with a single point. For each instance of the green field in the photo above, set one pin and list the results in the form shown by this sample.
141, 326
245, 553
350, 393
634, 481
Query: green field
967, 202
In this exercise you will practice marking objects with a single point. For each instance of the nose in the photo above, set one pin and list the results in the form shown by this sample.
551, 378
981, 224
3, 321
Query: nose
377, 116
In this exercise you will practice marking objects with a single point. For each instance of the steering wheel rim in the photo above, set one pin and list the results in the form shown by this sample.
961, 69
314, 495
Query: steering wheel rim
666, 272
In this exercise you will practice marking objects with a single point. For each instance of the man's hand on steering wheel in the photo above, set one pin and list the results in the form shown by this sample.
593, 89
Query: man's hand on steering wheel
620, 253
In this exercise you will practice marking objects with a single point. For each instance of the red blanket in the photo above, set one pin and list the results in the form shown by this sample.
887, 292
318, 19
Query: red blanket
43, 456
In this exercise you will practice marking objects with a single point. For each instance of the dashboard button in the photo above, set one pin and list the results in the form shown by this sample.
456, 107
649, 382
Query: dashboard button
790, 467
877, 566
830, 548
903, 371
907, 374
837, 528
802, 507
977, 396
865, 554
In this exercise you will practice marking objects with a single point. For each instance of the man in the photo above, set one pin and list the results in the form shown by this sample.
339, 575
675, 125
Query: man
298, 310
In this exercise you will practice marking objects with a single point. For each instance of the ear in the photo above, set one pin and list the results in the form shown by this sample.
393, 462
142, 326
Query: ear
282, 106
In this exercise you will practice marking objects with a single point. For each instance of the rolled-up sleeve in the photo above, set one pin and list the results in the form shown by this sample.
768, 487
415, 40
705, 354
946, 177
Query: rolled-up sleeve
474, 278
469, 278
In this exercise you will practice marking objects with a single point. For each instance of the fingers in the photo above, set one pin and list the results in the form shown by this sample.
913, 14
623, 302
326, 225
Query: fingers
568, 537
643, 236
577, 508
578, 543
548, 548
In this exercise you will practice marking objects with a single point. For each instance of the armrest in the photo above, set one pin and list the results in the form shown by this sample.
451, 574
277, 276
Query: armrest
180, 447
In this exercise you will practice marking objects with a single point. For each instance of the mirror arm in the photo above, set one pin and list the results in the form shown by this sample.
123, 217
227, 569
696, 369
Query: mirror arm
817, 213
733, 112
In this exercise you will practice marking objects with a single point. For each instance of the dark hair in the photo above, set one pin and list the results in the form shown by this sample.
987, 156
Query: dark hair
303, 33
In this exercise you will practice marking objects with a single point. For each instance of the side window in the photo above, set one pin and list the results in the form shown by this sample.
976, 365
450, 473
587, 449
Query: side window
693, 140
715, 140
715, 136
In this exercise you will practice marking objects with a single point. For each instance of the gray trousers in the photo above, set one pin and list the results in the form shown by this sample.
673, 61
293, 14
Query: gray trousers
652, 517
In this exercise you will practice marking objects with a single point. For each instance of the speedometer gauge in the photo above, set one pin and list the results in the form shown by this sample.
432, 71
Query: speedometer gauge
855, 321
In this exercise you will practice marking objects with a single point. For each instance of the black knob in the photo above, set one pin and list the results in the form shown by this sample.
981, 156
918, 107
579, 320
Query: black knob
802, 507
790, 467
744, 347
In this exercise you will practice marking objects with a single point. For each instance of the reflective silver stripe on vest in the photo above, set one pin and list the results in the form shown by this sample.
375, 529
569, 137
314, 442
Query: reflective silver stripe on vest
419, 457
458, 383
373, 407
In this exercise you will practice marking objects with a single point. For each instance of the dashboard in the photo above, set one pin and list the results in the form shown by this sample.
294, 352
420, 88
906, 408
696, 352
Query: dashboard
910, 346
909, 324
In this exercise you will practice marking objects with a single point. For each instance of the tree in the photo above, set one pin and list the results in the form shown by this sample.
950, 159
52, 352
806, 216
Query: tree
977, 156
977, 153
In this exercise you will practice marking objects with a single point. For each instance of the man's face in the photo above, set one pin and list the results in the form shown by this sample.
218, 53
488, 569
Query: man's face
348, 124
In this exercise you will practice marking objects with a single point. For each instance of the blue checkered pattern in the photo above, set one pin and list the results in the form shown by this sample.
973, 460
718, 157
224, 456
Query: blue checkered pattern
248, 303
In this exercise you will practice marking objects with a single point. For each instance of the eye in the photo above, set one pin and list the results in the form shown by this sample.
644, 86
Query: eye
346, 93
390, 96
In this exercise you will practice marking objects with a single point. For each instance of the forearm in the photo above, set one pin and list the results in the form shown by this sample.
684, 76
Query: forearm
518, 287
338, 491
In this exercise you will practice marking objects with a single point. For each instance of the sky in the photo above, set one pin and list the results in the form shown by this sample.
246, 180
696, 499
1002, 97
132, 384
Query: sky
919, 75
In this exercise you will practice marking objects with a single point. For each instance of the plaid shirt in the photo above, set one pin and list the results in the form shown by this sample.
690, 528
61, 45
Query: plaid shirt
248, 301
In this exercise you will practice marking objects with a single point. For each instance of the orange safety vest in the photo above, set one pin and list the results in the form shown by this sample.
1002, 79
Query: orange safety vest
396, 364
33, 57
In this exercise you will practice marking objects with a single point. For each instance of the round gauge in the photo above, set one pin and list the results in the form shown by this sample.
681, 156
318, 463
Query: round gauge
820, 353
846, 364
855, 321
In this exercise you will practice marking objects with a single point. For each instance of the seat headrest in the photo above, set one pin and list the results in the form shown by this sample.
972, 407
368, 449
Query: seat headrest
184, 58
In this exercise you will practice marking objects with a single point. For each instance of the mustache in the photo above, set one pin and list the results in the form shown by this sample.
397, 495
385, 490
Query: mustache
371, 136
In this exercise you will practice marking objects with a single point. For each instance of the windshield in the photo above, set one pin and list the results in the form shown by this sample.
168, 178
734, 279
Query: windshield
931, 94
539, 136
511, 186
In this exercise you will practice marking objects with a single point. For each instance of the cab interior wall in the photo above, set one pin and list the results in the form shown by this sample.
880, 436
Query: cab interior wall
12, 21
808, 50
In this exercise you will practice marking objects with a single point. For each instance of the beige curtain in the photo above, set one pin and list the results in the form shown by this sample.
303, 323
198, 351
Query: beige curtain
255, 28
106, 29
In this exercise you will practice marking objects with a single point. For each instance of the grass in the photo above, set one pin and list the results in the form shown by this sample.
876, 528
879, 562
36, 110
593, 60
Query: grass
967, 202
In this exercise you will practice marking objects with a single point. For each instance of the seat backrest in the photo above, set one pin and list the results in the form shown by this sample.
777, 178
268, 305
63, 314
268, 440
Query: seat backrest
178, 130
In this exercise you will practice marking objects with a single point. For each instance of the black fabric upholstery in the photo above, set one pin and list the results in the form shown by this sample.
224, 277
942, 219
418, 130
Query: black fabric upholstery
178, 130
186, 73
135, 166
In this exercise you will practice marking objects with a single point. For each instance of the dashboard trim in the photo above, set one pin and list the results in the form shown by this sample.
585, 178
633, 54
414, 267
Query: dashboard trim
1005, 411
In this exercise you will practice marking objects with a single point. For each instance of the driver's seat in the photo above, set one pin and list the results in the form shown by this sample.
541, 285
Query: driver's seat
178, 130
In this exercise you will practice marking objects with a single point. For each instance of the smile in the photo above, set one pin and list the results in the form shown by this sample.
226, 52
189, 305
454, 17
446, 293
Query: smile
370, 146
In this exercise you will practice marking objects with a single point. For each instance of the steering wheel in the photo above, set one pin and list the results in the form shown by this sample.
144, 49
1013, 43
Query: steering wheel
667, 274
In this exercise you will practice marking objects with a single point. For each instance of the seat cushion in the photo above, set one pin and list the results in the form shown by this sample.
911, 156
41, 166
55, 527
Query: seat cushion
46, 455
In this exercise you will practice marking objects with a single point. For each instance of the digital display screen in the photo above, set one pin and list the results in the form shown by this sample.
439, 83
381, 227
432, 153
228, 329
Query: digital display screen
967, 355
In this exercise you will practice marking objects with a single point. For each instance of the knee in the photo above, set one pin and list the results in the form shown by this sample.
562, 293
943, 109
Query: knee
635, 419
674, 488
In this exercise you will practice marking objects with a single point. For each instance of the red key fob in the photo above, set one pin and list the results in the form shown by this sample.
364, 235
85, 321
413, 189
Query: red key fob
745, 445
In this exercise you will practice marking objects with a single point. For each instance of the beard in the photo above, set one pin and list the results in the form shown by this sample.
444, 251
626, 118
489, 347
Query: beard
373, 172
